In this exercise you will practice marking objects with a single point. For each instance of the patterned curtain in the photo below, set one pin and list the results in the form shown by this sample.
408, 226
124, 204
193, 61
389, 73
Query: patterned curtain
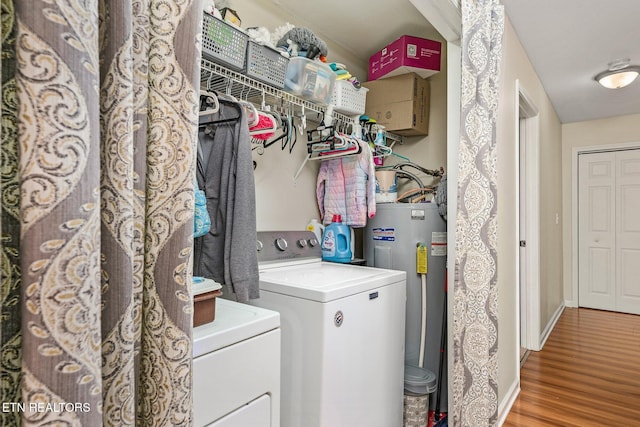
10, 336
475, 332
99, 127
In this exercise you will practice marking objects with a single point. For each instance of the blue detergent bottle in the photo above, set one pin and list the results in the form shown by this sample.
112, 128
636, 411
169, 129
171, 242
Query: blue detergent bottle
336, 241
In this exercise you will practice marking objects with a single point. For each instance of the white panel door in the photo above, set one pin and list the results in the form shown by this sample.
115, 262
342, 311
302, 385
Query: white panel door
596, 231
628, 231
609, 231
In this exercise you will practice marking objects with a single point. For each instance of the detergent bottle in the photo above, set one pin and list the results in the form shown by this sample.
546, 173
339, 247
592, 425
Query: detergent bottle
317, 229
336, 241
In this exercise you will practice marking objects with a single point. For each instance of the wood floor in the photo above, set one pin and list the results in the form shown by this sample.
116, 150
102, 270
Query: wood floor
588, 374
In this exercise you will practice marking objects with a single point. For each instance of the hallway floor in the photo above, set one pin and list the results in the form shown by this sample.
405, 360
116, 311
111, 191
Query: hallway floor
588, 374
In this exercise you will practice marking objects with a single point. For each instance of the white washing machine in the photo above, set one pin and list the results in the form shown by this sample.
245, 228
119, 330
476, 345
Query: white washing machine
342, 334
236, 368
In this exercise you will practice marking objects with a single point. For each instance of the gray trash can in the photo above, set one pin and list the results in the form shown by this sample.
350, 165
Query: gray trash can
419, 383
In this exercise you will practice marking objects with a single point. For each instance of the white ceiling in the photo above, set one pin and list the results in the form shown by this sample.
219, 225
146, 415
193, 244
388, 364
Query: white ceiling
570, 41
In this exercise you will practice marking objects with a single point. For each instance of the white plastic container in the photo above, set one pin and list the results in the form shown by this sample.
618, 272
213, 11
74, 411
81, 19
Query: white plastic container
311, 80
348, 99
317, 228
386, 186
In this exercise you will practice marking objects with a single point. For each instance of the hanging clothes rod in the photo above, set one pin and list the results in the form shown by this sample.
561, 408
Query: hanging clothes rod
214, 76
218, 78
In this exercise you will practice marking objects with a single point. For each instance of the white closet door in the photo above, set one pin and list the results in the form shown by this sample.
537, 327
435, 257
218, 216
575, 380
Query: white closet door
596, 231
609, 231
628, 231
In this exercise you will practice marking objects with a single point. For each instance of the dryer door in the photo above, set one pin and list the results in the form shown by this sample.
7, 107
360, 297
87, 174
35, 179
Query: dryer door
229, 379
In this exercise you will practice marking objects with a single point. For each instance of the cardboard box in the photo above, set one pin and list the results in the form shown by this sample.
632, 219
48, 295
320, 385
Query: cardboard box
231, 16
400, 104
408, 54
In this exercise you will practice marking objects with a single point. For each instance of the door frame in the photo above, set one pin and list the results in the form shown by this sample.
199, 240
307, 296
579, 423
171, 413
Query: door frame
574, 206
446, 18
531, 135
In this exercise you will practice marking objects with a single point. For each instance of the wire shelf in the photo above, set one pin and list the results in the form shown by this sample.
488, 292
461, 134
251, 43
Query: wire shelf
215, 77
218, 78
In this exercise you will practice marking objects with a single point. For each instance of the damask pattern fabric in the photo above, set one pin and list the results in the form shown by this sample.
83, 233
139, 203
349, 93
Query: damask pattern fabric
10, 335
475, 331
107, 110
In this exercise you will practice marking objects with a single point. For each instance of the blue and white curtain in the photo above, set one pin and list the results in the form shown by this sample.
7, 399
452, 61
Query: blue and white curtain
475, 329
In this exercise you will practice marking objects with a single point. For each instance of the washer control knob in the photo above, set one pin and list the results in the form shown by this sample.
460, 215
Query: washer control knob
259, 245
302, 243
281, 244
313, 242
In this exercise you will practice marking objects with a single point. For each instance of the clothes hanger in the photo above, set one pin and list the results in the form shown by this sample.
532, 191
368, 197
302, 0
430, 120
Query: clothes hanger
317, 136
382, 151
289, 135
216, 116
286, 125
210, 117
321, 133
210, 106
303, 122
229, 90
250, 110
338, 142
251, 113
282, 137
266, 126
326, 156
351, 150
293, 135
209, 102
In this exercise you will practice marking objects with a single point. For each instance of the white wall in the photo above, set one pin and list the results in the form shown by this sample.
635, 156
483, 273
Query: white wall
615, 130
283, 203
516, 66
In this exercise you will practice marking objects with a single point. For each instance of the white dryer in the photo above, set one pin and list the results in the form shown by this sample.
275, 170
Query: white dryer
236, 368
342, 334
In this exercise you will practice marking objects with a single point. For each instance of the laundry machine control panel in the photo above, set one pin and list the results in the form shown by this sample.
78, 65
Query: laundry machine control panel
287, 245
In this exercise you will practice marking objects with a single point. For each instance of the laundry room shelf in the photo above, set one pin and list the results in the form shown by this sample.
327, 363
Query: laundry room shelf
218, 78
215, 77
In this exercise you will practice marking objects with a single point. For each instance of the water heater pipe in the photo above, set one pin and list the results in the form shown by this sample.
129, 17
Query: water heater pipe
421, 268
423, 330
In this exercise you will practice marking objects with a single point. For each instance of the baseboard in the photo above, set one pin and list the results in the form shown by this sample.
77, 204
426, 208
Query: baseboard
507, 403
571, 303
551, 325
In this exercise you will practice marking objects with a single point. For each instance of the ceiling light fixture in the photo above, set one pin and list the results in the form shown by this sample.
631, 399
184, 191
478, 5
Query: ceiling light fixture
619, 74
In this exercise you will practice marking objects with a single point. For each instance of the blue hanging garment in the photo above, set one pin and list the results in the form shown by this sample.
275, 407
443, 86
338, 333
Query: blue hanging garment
201, 220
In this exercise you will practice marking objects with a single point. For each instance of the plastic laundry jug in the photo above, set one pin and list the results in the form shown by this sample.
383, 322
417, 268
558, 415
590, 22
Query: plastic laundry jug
336, 241
317, 228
